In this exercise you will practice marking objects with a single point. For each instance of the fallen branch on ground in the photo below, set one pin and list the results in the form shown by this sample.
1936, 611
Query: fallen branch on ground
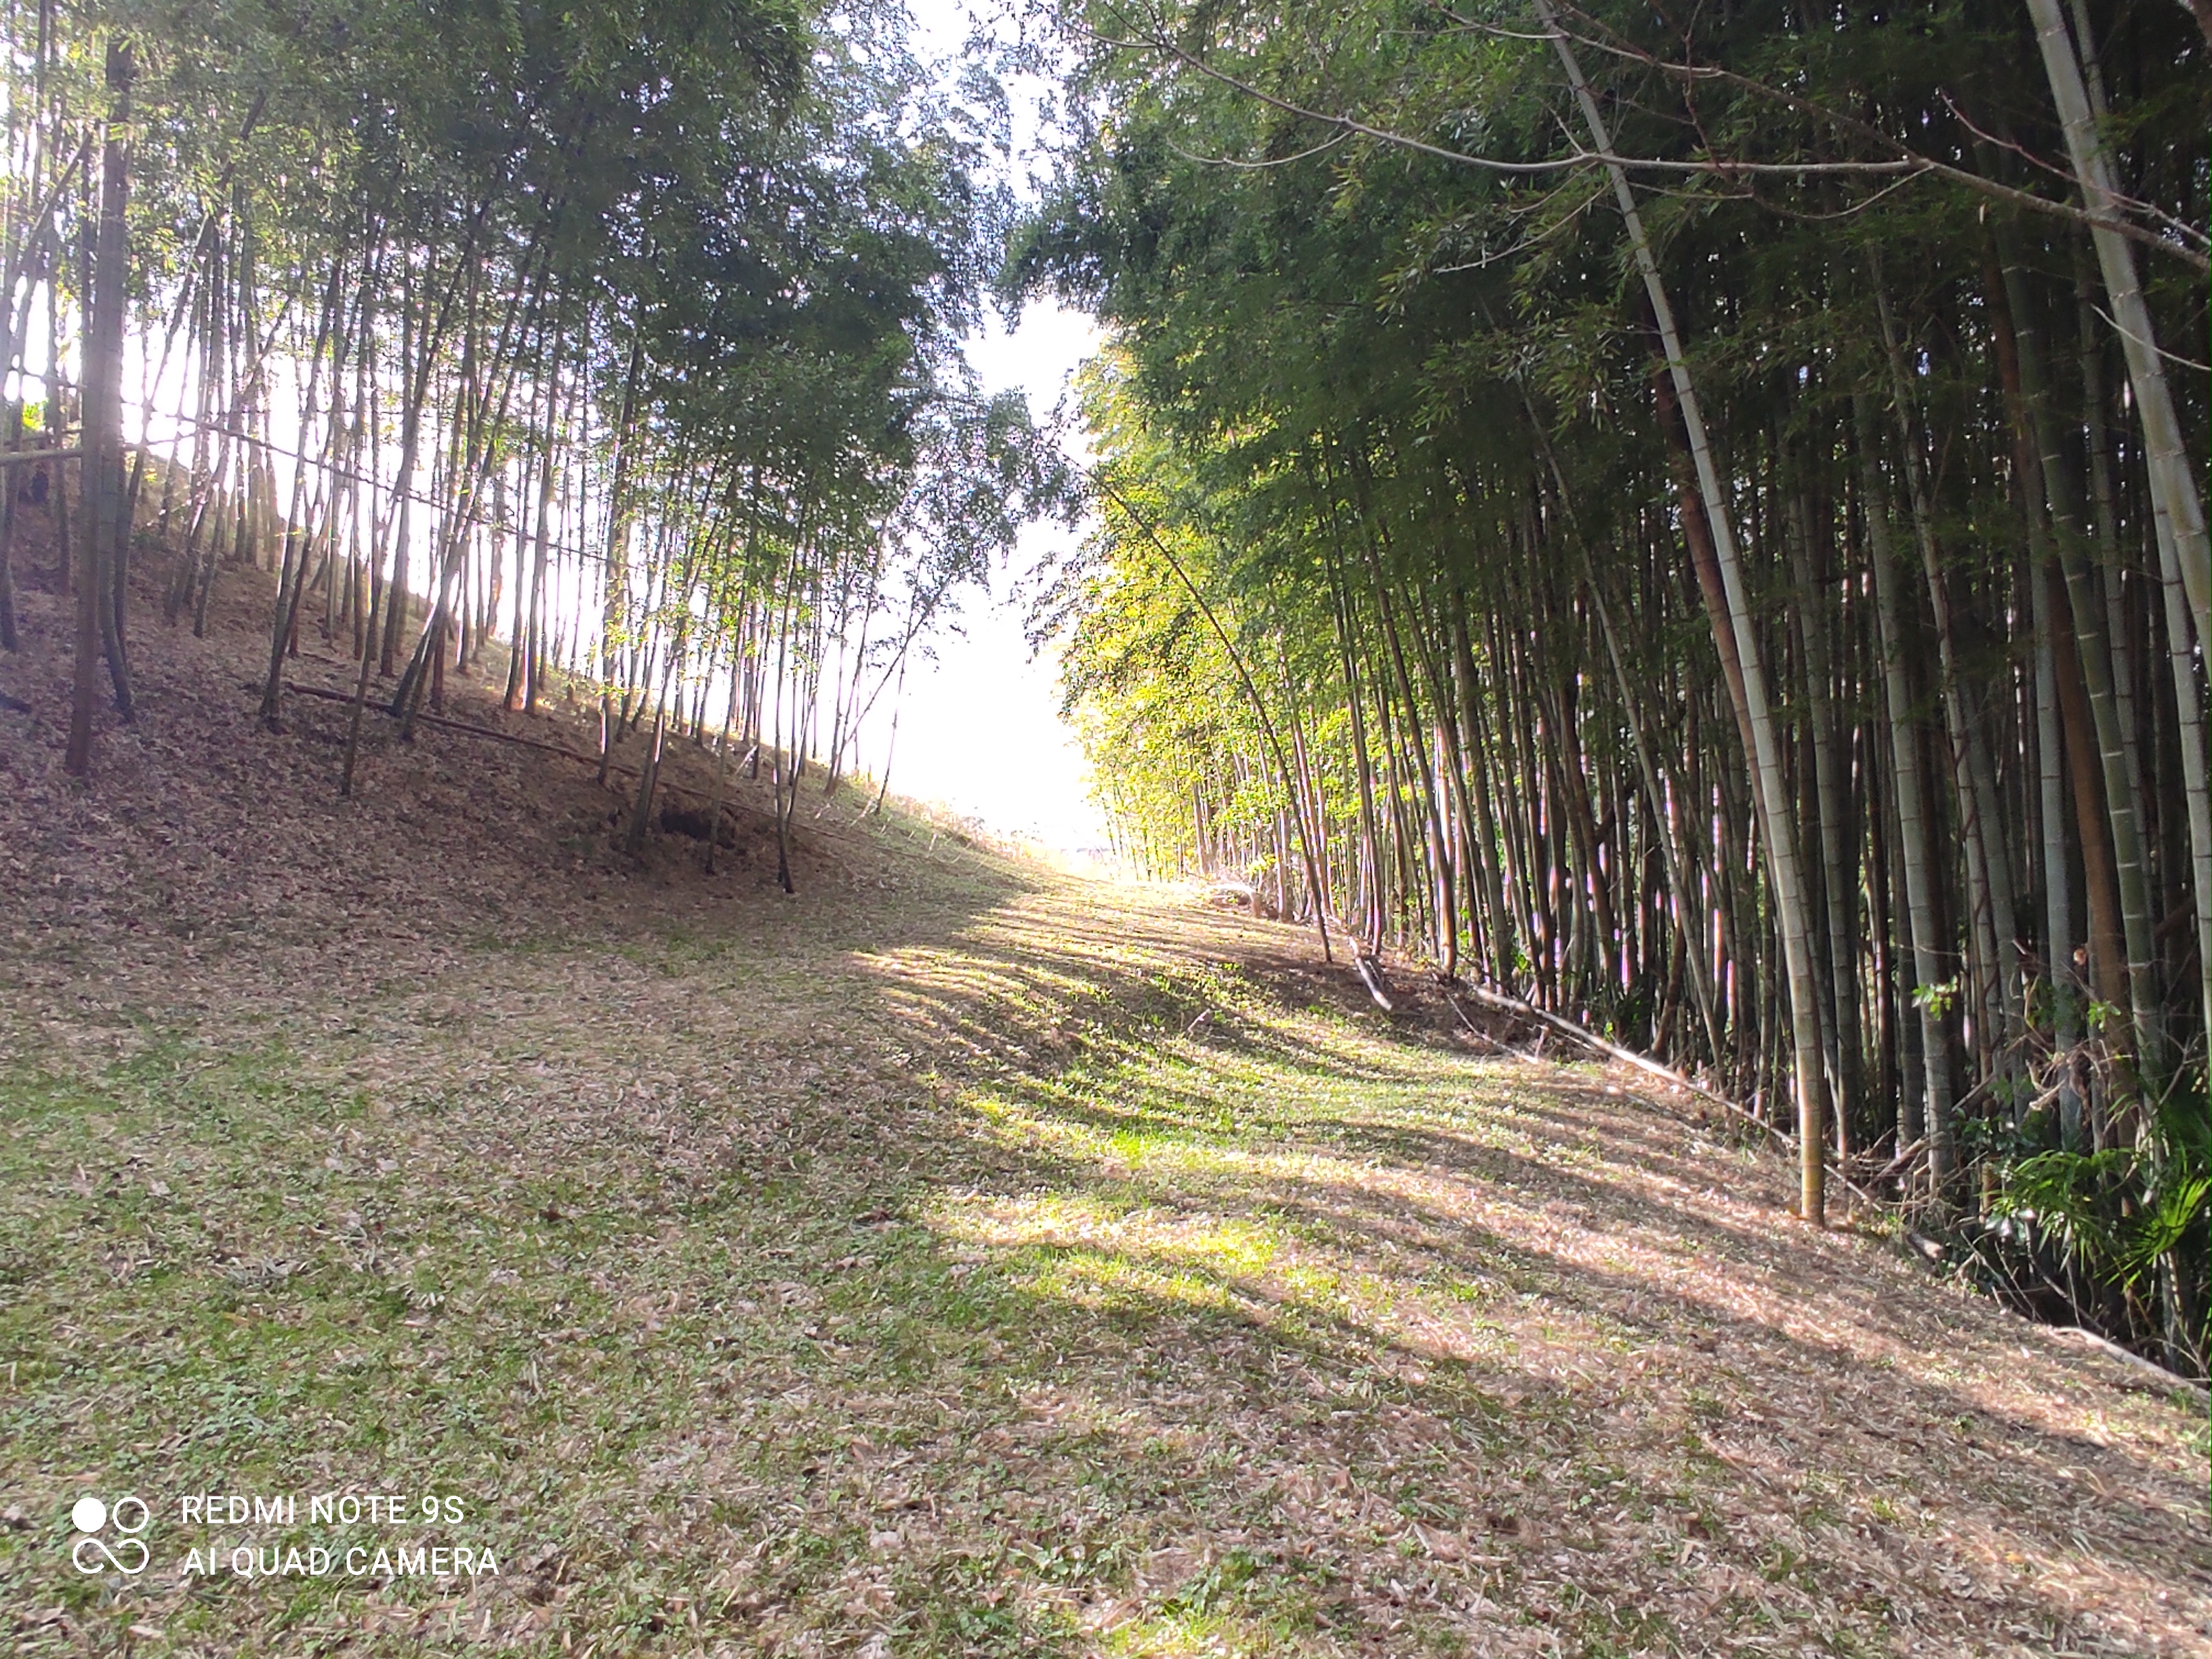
1370, 975
1567, 1028
1590, 1039
2105, 1344
1475, 1031
1897, 1165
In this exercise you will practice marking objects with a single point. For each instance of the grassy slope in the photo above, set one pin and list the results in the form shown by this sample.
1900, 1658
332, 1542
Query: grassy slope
954, 1258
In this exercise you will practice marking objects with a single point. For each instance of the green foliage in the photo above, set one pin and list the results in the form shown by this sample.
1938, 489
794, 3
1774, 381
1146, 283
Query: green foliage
1387, 382
2121, 1210
674, 289
1938, 999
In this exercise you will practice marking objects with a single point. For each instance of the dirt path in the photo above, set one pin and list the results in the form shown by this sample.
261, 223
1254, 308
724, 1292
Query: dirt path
953, 1259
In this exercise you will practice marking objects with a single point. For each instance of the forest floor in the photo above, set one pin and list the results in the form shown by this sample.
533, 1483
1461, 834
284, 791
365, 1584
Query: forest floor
955, 1258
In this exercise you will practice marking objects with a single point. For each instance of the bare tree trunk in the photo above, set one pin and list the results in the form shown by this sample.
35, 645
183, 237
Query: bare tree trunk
2108, 954
648, 778
522, 671
1685, 901
2057, 873
617, 557
292, 577
2180, 509
9, 479
2091, 621
1916, 853
1481, 829
1772, 793
1835, 842
1992, 917
100, 469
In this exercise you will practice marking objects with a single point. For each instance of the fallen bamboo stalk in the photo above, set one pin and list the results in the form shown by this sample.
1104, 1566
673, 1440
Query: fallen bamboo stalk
1567, 1029
1370, 975
2105, 1344
1475, 1031
1488, 1041
1897, 1165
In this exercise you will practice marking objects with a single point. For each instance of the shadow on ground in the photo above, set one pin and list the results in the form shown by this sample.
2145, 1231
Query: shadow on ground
952, 1260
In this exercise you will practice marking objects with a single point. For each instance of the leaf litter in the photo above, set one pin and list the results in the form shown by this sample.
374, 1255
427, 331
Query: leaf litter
956, 1258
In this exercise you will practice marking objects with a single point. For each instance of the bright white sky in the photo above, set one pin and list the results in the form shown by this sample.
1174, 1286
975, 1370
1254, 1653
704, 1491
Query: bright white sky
980, 731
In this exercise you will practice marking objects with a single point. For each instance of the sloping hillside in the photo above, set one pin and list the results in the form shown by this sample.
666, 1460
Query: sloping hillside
952, 1259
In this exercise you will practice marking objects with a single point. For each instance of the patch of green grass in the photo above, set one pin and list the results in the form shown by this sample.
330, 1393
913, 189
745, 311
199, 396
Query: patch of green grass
1028, 1282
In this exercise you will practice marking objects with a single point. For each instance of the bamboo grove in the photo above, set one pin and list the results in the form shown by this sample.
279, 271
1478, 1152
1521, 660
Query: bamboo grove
1694, 518
626, 333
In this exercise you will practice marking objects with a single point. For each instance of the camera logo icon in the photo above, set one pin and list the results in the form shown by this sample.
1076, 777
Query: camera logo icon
126, 1518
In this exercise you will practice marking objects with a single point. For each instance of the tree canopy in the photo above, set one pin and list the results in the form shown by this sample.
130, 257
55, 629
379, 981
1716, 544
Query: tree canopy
1688, 519
629, 332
